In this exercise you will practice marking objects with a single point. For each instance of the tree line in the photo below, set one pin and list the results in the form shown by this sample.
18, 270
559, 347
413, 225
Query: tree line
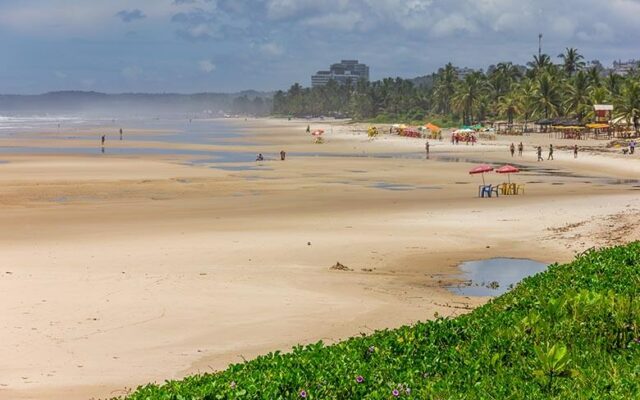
541, 89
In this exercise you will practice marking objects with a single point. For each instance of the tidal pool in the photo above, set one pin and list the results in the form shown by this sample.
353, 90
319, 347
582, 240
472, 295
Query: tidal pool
495, 276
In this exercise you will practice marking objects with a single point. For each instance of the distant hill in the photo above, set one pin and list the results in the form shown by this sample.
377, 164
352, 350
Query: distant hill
246, 102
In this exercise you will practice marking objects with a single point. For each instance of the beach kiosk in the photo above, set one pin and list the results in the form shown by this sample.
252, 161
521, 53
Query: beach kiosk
603, 116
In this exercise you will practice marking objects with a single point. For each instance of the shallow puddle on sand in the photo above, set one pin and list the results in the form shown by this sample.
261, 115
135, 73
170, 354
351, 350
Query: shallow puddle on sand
494, 276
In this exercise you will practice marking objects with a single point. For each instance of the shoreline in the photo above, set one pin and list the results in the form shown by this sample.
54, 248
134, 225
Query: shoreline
140, 232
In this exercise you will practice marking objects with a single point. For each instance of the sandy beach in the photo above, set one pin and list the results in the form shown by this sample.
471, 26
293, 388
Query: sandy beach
135, 266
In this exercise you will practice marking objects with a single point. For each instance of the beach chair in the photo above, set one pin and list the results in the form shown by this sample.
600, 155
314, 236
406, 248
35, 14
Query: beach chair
481, 190
484, 191
519, 188
494, 189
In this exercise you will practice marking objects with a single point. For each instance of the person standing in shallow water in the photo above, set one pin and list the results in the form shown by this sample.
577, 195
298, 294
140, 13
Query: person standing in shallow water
550, 157
520, 149
426, 148
283, 155
512, 149
102, 140
575, 151
120, 133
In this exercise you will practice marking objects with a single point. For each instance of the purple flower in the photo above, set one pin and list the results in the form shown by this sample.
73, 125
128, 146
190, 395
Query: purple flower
395, 393
303, 394
360, 379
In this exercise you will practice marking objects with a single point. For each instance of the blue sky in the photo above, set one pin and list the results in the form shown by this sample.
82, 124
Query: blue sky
227, 45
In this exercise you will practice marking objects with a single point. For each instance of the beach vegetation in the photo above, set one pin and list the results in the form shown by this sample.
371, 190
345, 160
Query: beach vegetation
571, 332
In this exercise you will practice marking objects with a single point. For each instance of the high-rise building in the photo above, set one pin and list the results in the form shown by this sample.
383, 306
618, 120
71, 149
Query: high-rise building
341, 73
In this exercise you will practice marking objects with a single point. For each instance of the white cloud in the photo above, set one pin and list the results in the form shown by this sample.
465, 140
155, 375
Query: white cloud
272, 49
600, 33
452, 24
206, 66
337, 21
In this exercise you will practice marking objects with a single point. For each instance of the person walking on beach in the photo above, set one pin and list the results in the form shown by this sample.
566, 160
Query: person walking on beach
632, 147
120, 133
520, 149
283, 155
512, 148
426, 148
540, 154
575, 151
308, 128
550, 152
260, 157
103, 139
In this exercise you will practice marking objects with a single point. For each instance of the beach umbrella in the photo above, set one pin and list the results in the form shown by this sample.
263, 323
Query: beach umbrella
481, 169
508, 169
319, 132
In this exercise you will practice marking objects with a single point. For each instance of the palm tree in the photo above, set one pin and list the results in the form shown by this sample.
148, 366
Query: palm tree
467, 96
445, 88
510, 105
628, 103
572, 61
526, 94
613, 83
547, 96
593, 75
578, 101
502, 77
539, 64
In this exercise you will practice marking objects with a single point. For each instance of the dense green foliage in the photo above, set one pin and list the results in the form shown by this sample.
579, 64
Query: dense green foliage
572, 332
542, 89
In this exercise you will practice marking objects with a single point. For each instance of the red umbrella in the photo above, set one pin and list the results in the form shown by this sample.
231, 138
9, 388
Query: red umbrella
319, 132
481, 169
508, 169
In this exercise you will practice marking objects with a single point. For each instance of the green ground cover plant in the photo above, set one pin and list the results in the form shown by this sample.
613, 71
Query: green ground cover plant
572, 332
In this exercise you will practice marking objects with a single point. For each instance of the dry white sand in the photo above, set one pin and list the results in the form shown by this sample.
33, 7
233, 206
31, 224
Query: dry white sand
118, 271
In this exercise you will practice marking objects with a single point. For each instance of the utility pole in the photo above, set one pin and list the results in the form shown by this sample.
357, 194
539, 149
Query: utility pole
539, 45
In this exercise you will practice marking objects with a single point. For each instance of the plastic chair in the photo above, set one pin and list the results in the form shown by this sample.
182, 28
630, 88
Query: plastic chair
519, 188
485, 191
494, 189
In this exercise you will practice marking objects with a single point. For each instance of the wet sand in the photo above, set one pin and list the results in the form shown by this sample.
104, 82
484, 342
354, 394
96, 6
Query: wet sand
125, 268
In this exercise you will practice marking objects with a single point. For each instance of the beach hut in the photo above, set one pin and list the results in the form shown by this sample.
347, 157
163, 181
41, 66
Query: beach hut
603, 112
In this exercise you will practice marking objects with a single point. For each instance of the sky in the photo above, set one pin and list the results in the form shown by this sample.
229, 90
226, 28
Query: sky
189, 46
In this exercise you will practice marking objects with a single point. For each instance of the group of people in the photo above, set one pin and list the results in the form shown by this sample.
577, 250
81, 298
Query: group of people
283, 156
456, 138
103, 139
539, 152
512, 150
